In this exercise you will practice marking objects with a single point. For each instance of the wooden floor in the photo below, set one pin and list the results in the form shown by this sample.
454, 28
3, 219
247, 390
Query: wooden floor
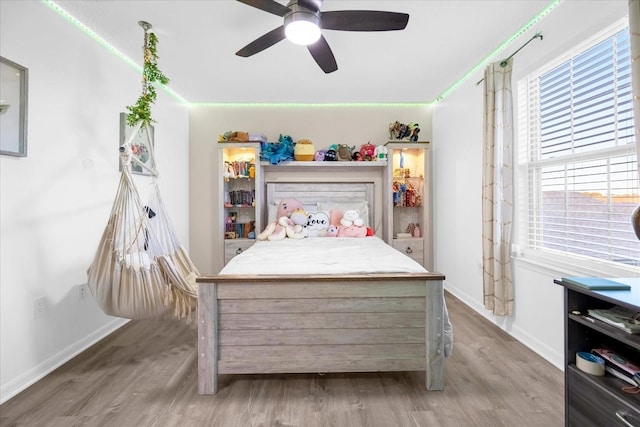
146, 375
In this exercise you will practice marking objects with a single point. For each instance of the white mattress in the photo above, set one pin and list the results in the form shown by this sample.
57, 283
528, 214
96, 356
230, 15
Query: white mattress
322, 255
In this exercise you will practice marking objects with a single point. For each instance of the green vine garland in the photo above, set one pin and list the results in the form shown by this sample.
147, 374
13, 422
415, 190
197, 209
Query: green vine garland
141, 110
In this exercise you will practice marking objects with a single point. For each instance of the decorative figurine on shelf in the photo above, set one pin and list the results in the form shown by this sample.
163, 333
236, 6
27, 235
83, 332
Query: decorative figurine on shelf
410, 228
416, 231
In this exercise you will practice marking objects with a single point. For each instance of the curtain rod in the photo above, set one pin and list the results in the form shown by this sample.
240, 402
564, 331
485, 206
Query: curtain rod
504, 62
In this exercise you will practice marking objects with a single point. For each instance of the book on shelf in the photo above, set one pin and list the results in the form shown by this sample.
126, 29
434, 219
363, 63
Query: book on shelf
597, 283
616, 373
620, 317
617, 365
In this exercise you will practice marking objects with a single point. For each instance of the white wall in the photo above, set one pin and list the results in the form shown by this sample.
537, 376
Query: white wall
457, 149
325, 125
56, 201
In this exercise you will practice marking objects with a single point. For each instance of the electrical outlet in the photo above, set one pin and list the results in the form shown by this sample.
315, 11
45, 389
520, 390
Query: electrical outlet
83, 290
40, 307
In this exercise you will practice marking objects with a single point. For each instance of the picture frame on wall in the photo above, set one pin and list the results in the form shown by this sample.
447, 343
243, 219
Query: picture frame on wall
139, 146
14, 80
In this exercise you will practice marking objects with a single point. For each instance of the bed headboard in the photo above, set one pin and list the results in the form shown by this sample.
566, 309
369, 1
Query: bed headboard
322, 194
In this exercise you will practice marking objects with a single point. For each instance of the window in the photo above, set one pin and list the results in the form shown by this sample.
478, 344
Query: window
577, 162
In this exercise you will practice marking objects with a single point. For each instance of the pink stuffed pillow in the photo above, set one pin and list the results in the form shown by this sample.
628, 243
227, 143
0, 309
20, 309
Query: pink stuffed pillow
352, 231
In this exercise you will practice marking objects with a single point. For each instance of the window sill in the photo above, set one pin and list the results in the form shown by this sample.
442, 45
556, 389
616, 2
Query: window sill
562, 265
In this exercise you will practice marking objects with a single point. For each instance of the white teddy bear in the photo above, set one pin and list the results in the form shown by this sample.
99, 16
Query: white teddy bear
351, 217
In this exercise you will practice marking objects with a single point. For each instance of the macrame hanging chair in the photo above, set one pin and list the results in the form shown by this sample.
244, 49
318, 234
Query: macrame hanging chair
140, 270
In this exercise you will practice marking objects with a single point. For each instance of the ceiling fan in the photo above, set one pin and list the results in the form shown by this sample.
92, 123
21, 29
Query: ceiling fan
303, 23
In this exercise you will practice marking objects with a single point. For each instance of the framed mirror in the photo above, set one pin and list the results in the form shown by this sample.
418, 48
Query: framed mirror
13, 108
139, 146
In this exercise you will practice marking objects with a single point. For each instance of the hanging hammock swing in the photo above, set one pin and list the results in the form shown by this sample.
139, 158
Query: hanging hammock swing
140, 270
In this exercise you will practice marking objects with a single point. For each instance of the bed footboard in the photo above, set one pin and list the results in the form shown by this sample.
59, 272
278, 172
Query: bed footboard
320, 323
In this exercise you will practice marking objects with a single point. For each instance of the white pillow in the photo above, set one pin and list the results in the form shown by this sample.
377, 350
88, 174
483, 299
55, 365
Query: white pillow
362, 207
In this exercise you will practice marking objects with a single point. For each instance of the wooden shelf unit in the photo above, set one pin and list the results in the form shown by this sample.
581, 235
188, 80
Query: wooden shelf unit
598, 400
239, 197
408, 200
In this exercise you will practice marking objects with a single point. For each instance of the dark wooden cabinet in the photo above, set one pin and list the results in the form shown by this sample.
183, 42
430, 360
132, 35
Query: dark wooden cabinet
598, 400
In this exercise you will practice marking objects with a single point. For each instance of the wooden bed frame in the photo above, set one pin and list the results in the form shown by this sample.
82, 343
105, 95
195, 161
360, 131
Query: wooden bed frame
321, 323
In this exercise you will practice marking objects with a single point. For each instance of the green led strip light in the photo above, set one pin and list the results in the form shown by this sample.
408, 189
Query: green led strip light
107, 45
500, 48
308, 105
450, 89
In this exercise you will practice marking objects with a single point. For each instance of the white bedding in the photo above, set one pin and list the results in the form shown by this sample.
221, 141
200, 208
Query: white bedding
322, 255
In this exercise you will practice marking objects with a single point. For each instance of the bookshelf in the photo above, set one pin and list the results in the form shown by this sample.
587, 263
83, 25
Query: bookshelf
239, 169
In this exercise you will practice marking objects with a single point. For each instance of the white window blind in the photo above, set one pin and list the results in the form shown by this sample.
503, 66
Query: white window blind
577, 158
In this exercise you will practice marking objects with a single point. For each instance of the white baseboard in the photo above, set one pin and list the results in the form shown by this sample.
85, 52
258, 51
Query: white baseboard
35, 374
542, 349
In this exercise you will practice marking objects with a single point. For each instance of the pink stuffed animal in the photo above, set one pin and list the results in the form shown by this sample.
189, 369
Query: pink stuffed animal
284, 226
332, 231
352, 231
287, 206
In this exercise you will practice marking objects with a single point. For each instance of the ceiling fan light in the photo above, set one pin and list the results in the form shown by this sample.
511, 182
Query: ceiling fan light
302, 28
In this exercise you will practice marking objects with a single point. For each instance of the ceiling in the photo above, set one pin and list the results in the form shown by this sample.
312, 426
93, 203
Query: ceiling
197, 41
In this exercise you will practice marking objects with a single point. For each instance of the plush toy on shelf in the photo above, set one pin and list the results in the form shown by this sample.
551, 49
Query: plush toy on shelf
381, 152
368, 151
344, 152
234, 136
304, 151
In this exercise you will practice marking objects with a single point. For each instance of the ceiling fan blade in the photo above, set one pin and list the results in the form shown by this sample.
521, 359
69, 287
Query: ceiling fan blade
263, 42
323, 56
363, 20
270, 6
314, 5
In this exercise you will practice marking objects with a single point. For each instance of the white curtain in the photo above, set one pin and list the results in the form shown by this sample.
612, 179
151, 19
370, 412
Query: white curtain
497, 188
